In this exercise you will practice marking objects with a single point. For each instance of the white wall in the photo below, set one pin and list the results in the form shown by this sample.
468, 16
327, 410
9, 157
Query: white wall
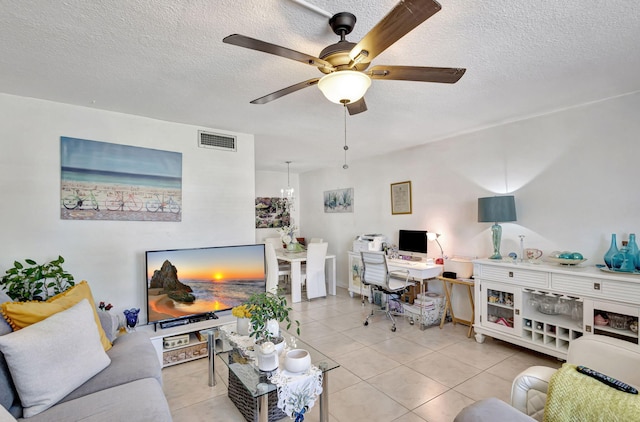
218, 193
574, 174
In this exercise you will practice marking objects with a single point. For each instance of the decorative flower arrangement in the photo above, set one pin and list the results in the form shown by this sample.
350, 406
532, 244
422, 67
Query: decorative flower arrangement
104, 307
287, 234
242, 311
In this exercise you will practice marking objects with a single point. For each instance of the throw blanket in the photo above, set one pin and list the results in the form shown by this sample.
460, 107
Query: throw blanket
573, 396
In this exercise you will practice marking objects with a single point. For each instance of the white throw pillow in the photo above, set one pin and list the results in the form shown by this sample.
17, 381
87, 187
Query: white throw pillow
53, 357
5, 416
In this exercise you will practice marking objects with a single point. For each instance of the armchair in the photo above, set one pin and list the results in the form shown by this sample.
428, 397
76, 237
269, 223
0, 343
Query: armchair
615, 358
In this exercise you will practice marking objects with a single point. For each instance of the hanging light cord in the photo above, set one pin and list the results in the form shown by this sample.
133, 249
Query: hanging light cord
346, 147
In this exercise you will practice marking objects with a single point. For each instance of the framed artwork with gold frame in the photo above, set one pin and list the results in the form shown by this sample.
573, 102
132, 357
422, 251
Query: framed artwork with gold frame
401, 198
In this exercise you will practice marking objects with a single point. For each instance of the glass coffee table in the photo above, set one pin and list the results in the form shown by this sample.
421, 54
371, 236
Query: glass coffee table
249, 388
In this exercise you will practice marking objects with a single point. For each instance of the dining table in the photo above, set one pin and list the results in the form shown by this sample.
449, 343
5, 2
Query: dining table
295, 259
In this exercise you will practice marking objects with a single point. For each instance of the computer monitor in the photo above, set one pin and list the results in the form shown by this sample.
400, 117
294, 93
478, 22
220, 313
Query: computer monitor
412, 243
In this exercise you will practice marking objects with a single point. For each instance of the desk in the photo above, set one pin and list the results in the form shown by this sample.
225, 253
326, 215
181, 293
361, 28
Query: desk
418, 271
448, 283
296, 259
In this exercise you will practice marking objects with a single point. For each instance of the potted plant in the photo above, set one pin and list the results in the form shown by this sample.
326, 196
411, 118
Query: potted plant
265, 308
33, 281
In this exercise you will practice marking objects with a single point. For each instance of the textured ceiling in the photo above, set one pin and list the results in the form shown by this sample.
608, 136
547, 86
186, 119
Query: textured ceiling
165, 59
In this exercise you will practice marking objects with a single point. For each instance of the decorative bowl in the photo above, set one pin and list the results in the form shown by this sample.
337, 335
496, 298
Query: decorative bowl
297, 360
565, 261
619, 322
600, 320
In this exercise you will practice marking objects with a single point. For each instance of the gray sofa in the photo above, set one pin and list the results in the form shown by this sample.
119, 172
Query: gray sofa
130, 388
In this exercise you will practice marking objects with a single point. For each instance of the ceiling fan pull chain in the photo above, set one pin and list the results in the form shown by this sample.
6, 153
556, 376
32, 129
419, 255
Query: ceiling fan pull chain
346, 148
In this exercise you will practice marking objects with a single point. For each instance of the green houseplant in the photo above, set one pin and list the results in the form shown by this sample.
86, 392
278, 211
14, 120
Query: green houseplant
265, 307
33, 281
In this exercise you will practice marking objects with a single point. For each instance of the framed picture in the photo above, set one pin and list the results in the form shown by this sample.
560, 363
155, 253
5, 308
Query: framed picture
339, 200
401, 198
105, 181
272, 212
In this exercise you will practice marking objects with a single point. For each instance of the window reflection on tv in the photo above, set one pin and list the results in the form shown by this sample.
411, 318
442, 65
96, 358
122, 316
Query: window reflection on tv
185, 282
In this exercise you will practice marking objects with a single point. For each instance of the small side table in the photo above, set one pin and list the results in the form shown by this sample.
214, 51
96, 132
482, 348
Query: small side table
448, 283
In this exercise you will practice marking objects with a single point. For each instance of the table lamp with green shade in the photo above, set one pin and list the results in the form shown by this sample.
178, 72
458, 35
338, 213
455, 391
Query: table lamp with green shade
496, 209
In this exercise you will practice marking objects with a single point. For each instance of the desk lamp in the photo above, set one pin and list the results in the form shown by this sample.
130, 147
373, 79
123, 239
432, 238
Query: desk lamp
434, 236
496, 209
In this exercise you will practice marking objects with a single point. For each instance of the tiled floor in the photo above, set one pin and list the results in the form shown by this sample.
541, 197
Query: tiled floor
406, 376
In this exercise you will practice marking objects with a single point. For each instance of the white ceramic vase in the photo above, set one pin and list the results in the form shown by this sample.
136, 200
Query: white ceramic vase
273, 328
243, 326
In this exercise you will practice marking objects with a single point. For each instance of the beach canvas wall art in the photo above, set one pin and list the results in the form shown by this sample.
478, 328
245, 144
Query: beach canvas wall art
105, 181
339, 200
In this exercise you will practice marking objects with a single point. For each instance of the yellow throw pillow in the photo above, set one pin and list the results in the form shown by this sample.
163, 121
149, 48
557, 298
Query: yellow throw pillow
23, 314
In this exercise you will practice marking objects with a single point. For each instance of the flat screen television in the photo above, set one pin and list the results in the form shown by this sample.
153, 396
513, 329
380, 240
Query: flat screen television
412, 242
189, 282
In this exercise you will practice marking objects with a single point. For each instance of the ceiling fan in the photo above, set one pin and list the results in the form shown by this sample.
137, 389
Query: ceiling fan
346, 64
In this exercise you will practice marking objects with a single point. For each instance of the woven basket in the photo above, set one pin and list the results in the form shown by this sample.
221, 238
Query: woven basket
247, 405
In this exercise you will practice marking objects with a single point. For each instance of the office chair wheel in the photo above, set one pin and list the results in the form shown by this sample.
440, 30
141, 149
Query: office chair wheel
411, 321
393, 329
366, 323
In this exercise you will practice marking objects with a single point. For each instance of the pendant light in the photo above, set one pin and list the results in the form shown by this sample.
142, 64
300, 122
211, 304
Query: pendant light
288, 192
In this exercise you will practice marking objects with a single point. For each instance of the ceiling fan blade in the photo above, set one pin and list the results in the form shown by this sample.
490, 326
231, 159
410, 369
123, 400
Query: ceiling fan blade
265, 47
285, 91
357, 107
407, 15
447, 75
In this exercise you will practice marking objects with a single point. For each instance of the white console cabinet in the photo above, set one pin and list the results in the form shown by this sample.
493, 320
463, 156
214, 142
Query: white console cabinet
544, 307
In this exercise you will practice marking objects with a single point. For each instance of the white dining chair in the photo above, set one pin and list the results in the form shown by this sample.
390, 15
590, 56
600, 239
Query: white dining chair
275, 241
316, 240
274, 270
313, 272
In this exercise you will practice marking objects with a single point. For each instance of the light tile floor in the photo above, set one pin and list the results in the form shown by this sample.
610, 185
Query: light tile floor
411, 375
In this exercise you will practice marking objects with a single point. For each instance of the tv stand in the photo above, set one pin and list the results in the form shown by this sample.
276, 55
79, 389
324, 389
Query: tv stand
195, 348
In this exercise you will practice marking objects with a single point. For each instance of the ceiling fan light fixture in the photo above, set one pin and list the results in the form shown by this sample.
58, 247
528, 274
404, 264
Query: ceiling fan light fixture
344, 86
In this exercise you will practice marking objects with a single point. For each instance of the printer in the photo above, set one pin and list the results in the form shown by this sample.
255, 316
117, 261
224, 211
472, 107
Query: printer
368, 242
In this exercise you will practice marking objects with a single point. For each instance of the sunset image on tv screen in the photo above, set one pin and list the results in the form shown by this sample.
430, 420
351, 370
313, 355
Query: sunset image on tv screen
195, 281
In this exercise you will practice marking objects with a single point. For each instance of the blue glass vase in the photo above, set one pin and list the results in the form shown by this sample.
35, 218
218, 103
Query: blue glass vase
624, 261
632, 246
613, 249
132, 318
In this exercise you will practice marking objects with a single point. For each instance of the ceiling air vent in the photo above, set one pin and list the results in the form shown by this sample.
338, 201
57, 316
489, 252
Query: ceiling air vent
216, 141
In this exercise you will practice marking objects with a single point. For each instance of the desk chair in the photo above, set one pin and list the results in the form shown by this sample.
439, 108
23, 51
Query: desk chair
274, 270
376, 276
313, 272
